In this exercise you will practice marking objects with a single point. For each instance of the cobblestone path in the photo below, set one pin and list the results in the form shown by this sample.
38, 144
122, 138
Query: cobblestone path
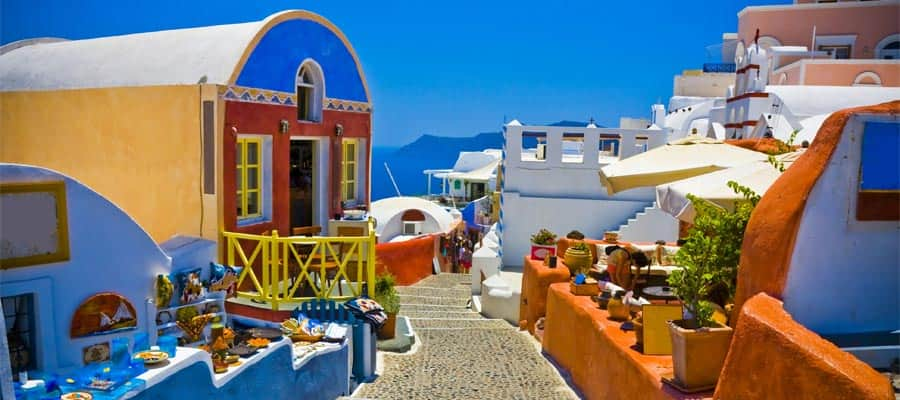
462, 355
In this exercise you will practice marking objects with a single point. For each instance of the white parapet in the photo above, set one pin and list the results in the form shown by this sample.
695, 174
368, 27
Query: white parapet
501, 295
485, 261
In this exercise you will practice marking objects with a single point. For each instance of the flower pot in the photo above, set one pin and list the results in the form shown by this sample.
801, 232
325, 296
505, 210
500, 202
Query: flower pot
698, 354
578, 261
540, 251
389, 328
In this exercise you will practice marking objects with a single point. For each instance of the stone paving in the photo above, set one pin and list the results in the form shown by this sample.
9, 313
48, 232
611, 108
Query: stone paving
461, 354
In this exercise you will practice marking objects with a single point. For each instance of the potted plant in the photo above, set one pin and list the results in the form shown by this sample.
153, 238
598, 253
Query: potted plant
386, 295
543, 244
709, 259
575, 234
578, 258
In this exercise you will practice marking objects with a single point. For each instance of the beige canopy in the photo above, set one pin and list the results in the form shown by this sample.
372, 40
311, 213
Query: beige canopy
680, 159
756, 175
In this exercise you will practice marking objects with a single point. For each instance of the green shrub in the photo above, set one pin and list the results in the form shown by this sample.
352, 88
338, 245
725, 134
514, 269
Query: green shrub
544, 237
386, 293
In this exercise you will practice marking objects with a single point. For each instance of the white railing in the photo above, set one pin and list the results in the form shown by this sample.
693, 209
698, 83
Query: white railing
583, 149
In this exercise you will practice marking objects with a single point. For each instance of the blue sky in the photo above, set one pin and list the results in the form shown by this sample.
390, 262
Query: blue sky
456, 68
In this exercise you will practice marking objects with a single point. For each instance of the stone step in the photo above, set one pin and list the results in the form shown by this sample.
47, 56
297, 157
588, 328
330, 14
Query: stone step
419, 324
415, 314
407, 308
434, 292
434, 300
445, 280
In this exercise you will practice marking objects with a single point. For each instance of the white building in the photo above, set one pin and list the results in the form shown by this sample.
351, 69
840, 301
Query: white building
473, 175
554, 185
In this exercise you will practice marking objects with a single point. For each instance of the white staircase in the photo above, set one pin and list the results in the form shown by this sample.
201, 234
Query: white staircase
650, 225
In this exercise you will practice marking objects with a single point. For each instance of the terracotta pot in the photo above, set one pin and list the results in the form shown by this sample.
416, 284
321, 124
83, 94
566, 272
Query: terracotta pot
389, 329
578, 261
698, 354
540, 251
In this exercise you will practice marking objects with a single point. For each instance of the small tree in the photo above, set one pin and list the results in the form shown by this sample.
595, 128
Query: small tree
711, 253
386, 293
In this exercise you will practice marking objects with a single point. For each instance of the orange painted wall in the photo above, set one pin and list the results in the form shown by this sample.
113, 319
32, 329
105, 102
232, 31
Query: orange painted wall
773, 357
409, 261
536, 280
793, 26
845, 74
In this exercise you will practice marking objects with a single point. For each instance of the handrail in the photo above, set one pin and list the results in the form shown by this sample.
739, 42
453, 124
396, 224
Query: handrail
284, 269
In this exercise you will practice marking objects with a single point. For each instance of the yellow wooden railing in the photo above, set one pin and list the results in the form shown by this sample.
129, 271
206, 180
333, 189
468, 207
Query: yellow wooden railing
285, 269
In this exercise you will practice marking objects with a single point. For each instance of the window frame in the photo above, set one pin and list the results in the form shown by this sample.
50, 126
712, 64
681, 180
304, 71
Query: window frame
346, 166
313, 92
241, 145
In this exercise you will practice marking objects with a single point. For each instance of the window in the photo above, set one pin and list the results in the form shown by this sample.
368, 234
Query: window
838, 52
249, 177
888, 48
609, 146
309, 92
573, 148
534, 146
348, 170
18, 312
878, 197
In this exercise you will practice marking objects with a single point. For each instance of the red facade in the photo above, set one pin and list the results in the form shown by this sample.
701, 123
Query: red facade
265, 119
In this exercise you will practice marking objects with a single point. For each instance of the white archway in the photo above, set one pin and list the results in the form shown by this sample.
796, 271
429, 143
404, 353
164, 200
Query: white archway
889, 47
867, 78
767, 42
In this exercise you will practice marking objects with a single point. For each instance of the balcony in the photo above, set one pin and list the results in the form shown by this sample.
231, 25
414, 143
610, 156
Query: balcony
726, 68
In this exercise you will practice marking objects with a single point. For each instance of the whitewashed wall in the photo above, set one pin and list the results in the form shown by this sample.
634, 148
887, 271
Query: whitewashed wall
108, 252
650, 225
562, 196
845, 274
524, 216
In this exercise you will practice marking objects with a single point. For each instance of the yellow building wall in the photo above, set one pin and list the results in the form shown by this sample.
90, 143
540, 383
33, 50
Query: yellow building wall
137, 146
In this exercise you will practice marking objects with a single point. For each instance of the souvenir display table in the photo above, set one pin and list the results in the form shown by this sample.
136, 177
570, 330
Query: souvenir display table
536, 279
601, 357
309, 371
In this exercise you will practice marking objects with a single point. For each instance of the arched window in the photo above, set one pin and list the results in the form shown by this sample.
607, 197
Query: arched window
888, 48
867, 78
310, 92
782, 79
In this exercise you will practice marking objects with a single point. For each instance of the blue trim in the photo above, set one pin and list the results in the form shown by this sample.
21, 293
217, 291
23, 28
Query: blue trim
274, 62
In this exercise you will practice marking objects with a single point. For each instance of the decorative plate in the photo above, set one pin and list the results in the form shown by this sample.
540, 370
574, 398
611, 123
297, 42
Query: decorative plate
77, 396
258, 342
242, 350
272, 334
152, 356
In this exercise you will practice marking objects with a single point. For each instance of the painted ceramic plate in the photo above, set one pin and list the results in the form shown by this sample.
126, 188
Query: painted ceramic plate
152, 357
272, 334
242, 350
258, 342
77, 396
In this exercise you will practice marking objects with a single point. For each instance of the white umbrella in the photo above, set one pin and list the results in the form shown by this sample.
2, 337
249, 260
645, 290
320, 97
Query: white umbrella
756, 175
681, 159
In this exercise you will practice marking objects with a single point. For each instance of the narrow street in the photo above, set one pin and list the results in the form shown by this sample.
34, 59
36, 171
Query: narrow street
461, 354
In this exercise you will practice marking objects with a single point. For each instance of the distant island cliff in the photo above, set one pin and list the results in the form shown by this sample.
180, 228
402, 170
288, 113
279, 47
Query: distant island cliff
426, 152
